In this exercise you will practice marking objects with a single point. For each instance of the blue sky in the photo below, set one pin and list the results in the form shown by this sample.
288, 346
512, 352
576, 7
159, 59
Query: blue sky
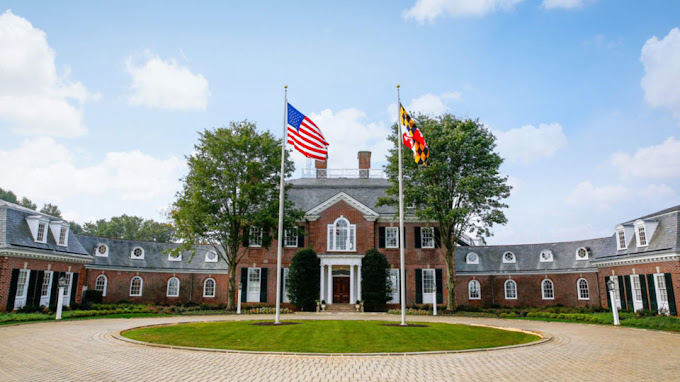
101, 102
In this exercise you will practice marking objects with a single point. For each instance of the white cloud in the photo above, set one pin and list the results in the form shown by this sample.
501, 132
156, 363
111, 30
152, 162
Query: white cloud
430, 104
54, 175
563, 4
429, 10
661, 82
661, 161
604, 198
165, 84
528, 144
34, 99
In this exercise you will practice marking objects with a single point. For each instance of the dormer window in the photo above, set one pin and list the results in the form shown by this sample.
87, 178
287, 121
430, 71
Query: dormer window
583, 253
60, 232
211, 257
472, 258
621, 240
102, 250
62, 236
644, 231
41, 232
39, 226
546, 256
641, 236
137, 253
509, 258
341, 235
173, 256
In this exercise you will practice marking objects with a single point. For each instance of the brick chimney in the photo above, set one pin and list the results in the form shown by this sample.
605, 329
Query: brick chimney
364, 163
320, 168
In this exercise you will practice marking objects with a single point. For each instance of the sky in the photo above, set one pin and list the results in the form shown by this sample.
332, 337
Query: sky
101, 102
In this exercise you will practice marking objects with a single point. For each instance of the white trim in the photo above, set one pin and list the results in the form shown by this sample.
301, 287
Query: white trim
637, 304
545, 282
640, 229
537, 272
284, 287
67, 290
167, 292
20, 300
578, 289
254, 296
663, 307
45, 300
57, 226
176, 258
434, 239
34, 222
106, 283
207, 260
513, 260
396, 232
72, 258
588, 253
286, 236
251, 235
315, 213
479, 290
99, 254
639, 260
468, 259
427, 296
135, 257
141, 286
548, 258
205, 282
394, 282
157, 270
331, 235
505, 289
340, 259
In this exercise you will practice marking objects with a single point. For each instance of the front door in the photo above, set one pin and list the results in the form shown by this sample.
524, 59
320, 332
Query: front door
341, 290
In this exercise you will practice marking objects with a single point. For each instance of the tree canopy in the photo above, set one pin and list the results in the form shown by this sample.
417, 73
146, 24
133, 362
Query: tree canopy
130, 228
461, 188
232, 185
303, 279
375, 283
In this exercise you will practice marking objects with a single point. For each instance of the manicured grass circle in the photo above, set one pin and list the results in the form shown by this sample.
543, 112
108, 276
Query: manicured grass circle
317, 336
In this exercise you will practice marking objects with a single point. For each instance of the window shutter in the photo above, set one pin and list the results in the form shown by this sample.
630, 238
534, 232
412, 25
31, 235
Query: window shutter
30, 296
606, 288
404, 232
263, 284
301, 237
12, 290
282, 277
419, 286
643, 290
74, 287
40, 276
629, 293
671, 296
246, 237
244, 285
416, 232
622, 292
55, 288
381, 237
652, 293
437, 238
440, 286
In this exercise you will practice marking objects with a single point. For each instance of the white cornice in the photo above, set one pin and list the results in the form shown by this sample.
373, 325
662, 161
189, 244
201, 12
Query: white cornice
521, 273
314, 213
157, 270
638, 260
55, 256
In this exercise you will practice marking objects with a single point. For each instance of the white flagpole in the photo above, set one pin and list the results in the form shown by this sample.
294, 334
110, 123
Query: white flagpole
281, 195
401, 219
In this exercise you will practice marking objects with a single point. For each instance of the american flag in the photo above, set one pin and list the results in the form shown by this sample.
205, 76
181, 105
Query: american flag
306, 136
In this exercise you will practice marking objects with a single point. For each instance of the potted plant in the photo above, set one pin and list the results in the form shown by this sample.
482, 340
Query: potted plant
323, 305
357, 306
362, 305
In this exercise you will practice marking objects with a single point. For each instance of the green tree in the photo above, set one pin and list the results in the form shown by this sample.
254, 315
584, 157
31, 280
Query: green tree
375, 282
131, 228
51, 209
26, 202
232, 185
8, 196
303, 279
460, 189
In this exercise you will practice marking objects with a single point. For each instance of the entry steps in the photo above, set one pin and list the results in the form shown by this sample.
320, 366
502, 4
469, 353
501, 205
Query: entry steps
340, 308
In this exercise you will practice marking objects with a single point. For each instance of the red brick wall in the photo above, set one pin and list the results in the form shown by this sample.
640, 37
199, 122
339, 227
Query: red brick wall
8, 263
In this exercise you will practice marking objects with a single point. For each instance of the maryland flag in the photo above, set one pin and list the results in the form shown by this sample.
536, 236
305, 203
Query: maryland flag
413, 138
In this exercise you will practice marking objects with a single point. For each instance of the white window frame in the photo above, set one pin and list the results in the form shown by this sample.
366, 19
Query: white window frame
176, 293
505, 289
394, 232
99, 254
546, 291
661, 293
428, 290
332, 233
579, 289
175, 258
637, 289
21, 293
621, 240
47, 278
431, 240
641, 235
106, 283
251, 285
141, 286
587, 251
394, 282
207, 257
255, 237
290, 239
41, 236
470, 260
470, 289
617, 291
513, 260
548, 258
34, 222
132, 253
205, 287
63, 236
284, 289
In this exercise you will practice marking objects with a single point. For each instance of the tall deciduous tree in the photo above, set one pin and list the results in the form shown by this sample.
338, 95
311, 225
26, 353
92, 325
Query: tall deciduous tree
51, 209
232, 185
460, 188
131, 228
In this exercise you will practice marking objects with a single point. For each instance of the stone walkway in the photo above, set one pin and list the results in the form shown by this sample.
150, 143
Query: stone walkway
87, 351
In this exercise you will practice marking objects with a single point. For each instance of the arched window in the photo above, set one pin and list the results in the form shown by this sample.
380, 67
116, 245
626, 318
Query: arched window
546, 256
136, 285
474, 290
547, 290
583, 253
510, 290
100, 284
102, 250
341, 235
509, 258
209, 287
472, 258
173, 287
137, 253
583, 292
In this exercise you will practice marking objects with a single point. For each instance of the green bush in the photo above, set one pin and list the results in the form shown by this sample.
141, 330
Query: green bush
375, 281
303, 279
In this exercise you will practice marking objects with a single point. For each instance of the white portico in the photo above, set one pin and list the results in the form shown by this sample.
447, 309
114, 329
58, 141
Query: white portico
340, 278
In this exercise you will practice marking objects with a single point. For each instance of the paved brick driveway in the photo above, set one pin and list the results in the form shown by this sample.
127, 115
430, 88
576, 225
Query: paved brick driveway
87, 351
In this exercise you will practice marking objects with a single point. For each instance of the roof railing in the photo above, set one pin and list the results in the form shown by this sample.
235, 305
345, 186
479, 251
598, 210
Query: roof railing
373, 173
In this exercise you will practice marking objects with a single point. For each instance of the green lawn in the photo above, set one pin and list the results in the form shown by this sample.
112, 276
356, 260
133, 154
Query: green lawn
312, 336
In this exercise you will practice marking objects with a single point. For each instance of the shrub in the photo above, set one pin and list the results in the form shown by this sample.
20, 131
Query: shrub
375, 282
303, 279
92, 297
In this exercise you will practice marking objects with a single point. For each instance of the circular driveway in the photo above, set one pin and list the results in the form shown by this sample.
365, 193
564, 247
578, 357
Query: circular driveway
88, 351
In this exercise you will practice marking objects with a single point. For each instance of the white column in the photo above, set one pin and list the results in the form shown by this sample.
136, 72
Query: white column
329, 300
321, 284
352, 299
359, 284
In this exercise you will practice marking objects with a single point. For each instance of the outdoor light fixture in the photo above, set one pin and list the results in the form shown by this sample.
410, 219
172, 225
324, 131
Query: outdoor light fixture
610, 285
612, 298
63, 282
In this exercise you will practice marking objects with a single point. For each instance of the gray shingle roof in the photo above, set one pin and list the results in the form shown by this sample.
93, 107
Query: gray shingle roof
155, 256
308, 193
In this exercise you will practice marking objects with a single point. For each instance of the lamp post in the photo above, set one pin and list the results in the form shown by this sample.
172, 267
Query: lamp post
612, 298
238, 307
60, 298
